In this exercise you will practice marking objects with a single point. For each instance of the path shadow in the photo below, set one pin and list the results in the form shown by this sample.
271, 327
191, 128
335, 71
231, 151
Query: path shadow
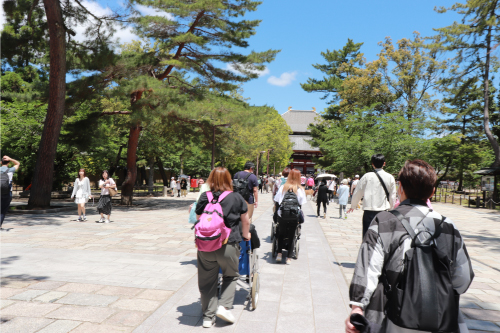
6, 280
193, 262
190, 314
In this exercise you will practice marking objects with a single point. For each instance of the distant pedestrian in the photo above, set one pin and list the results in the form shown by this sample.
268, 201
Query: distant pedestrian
331, 189
303, 180
184, 185
173, 185
310, 183
226, 258
6, 175
81, 193
378, 189
322, 197
412, 265
251, 194
104, 204
343, 195
260, 184
178, 187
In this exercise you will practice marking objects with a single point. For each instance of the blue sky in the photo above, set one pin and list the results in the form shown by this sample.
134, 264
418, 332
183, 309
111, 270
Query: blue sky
303, 29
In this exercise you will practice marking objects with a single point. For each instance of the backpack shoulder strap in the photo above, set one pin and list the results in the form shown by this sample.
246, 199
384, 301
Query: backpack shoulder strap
383, 185
249, 174
224, 195
210, 196
404, 222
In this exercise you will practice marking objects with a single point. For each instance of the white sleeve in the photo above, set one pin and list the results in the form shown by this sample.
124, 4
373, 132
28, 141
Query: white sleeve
87, 186
301, 196
74, 188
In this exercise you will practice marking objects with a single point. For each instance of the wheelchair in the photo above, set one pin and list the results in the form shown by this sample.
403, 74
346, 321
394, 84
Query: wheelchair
249, 272
294, 240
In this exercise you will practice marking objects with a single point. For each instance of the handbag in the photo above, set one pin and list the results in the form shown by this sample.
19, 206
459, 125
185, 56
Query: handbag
112, 192
192, 214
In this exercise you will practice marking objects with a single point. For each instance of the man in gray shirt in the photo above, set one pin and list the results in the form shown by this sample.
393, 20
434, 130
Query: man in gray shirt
6, 197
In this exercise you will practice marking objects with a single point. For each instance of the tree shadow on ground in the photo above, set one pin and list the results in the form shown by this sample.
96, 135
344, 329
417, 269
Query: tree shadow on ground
6, 280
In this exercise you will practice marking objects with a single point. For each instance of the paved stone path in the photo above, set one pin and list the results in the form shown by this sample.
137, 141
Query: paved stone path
480, 229
310, 295
138, 272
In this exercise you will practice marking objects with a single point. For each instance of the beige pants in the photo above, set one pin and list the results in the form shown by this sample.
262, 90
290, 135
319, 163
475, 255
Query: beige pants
250, 211
184, 193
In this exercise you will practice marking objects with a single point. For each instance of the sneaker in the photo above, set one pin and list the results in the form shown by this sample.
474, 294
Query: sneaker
288, 261
207, 323
101, 220
106, 221
79, 219
324, 216
340, 216
84, 218
225, 314
279, 257
345, 218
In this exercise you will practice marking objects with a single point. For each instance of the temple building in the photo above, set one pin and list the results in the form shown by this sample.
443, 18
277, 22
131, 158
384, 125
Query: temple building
303, 152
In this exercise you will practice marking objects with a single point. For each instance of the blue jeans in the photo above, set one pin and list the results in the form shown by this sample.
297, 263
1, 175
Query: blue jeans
5, 202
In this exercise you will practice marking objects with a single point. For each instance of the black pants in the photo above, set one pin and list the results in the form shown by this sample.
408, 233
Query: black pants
330, 194
368, 216
6, 199
319, 206
286, 230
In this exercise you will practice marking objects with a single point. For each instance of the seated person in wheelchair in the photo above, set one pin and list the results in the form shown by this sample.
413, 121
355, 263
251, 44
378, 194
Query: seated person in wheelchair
287, 226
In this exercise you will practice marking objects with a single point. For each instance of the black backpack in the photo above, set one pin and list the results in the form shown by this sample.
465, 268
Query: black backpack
290, 207
5, 183
240, 185
423, 297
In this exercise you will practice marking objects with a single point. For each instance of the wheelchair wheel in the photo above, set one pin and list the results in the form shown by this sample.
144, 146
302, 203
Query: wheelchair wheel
274, 250
255, 290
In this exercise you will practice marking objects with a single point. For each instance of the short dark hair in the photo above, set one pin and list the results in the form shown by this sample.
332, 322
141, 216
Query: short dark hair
418, 179
285, 172
103, 171
5, 162
249, 165
378, 160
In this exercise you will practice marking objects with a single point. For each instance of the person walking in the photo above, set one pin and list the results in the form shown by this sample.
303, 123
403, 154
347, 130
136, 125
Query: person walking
178, 187
343, 195
6, 175
184, 187
253, 187
81, 193
226, 259
260, 184
173, 185
310, 183
322, 197
385, 264
104, 204
353, 187
378, 190
331, 189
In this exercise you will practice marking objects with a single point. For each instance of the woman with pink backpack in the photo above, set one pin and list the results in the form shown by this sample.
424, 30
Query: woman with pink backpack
217, 236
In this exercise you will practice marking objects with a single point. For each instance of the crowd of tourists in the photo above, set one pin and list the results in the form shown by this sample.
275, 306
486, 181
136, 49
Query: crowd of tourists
412, 264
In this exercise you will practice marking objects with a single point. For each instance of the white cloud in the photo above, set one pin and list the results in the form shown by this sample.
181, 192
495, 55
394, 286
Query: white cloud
232, 68
2, 15
148, 11
284, 80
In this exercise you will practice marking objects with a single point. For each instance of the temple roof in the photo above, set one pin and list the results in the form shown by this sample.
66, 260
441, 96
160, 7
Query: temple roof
299, 120
299, 143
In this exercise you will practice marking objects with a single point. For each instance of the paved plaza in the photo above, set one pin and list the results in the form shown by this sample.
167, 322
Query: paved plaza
138, 273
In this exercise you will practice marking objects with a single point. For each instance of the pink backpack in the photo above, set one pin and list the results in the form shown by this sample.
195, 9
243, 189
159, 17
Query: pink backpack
211, 232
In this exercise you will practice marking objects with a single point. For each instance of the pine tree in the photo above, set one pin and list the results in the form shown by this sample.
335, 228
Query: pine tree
473, 40
186, 46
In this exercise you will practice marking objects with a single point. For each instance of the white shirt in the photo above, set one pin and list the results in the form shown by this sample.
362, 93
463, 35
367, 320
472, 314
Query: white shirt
104, 190
331, 186
301, 197
354, 184
172, 184
371, 190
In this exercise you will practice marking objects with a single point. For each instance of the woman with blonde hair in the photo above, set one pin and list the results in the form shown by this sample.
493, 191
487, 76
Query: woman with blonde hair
286, 230
234, 211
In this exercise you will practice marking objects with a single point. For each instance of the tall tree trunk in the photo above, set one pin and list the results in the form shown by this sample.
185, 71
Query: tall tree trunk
487, 130
162, 172
44, 168
128, 184
151, 174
